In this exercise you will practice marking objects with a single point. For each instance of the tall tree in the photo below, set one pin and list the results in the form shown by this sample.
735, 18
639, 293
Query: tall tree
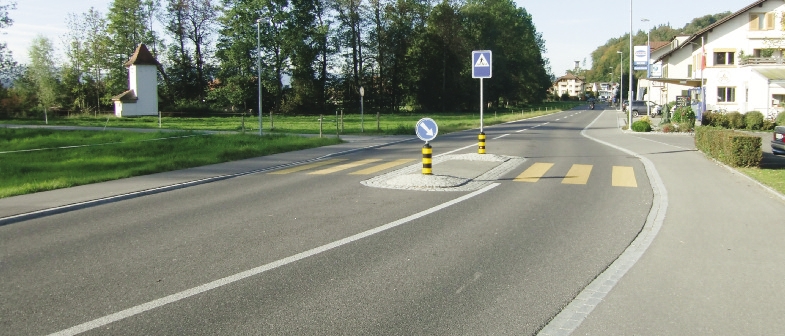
42, 72
7, 64
128, 26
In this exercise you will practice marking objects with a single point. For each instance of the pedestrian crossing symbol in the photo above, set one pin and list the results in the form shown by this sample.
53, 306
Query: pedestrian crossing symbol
481, 64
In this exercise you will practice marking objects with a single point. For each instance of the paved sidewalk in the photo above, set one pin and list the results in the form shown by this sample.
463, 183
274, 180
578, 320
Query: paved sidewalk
717, 264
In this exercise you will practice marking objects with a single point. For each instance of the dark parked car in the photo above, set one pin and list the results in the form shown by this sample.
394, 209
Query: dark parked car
639, 107
778, 140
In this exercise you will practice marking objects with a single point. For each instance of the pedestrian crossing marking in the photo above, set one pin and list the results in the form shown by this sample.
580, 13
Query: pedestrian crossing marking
534, 173
578, 174
306, 167
624, 177
378, 168
343, 167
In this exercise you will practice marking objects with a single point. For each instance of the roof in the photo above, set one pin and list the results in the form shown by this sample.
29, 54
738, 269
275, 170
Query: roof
568, 76
656, 45
141, 56
126, 97
712, 26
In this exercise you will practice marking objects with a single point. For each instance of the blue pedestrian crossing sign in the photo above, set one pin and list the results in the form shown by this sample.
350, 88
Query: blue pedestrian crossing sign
426, 129
481, 64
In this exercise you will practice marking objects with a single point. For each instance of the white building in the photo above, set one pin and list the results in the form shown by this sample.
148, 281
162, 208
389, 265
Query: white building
743, 70
142, 97
570, 84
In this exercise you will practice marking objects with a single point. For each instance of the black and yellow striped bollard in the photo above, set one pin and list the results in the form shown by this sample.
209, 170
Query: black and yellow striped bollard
426, 159
481, 138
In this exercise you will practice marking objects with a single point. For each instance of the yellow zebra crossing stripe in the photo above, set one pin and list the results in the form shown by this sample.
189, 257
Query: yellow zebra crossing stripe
306, 167
343, 167
534, 173
621, 176
578, 174
381, 167
624, 177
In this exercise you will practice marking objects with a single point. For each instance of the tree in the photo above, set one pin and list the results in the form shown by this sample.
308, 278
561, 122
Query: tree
7, 64
127, 28
42, 72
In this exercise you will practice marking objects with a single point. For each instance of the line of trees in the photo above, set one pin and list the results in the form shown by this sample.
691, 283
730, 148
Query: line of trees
315, 55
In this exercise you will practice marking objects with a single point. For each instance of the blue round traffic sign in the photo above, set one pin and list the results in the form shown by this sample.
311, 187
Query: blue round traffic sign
426, 129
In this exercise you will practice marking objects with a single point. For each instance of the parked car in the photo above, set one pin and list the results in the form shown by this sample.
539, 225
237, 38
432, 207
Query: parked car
639, 107
778, 140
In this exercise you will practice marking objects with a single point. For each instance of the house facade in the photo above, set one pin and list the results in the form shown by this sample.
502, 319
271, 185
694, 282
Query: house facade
570, 84
738, 61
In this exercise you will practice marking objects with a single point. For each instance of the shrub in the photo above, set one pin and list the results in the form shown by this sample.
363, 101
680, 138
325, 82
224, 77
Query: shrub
709, 118
780, 119
684, 115
667, 128
735, 120
768, 125
753, 120
686, 126
641, 126
733, 148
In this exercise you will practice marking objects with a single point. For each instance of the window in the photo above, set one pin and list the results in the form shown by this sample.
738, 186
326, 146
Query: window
689, 70
726, 94
762, 21
724, 58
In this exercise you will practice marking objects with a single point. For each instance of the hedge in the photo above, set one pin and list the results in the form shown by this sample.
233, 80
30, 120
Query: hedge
732, 148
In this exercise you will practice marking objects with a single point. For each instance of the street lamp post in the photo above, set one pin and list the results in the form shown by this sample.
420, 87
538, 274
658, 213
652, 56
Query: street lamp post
259, 71
621, 78
629, 93
648, 65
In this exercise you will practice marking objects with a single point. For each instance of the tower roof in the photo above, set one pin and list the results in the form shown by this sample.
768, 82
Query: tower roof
141, 56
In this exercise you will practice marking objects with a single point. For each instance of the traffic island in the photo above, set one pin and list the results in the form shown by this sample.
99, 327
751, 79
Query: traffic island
458, 172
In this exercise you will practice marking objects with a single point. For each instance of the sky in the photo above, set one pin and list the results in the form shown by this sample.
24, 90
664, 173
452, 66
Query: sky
572, 29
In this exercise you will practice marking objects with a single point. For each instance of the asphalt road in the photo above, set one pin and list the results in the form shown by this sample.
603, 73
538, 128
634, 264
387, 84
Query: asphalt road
317, 252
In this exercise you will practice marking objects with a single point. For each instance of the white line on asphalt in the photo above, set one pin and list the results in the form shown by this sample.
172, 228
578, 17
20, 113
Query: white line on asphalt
518, 131
666, 144
571, 317
499, 137
105, 320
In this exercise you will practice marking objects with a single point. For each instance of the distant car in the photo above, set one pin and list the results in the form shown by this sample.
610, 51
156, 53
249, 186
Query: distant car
778, 140
639, 107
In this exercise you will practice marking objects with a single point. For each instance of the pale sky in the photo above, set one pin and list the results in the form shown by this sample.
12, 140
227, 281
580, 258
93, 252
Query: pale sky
572, 29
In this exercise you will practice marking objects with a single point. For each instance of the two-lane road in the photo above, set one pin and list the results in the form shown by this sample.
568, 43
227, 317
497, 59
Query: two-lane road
310, 250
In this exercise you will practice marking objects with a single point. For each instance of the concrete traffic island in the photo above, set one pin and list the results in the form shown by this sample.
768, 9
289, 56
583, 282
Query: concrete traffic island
458, 172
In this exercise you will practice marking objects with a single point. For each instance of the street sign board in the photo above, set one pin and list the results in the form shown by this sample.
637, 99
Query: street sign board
426, 129
481, 64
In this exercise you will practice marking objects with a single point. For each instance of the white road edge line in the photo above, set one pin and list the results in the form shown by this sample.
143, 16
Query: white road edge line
105, 320
571, 317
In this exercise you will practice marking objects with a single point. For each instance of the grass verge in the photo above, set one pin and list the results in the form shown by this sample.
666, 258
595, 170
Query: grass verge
34, 160
774, 178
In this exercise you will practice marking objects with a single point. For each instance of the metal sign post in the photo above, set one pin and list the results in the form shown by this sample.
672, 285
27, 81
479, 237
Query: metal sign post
481, 68
362, 94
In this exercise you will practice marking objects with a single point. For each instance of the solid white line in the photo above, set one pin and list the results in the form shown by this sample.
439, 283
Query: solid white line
499, 137
102, 321
571, 317
518, 131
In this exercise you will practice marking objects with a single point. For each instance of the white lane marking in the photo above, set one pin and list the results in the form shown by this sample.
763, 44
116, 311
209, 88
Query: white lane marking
571, 317
666, 144
519, 131
105, 320
499, 137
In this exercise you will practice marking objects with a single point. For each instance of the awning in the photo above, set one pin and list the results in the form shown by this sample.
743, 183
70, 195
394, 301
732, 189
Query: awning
773, 73
680, 81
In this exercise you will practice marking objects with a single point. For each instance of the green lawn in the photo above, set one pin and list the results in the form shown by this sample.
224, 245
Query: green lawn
33, 160
774, 178
401, 123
